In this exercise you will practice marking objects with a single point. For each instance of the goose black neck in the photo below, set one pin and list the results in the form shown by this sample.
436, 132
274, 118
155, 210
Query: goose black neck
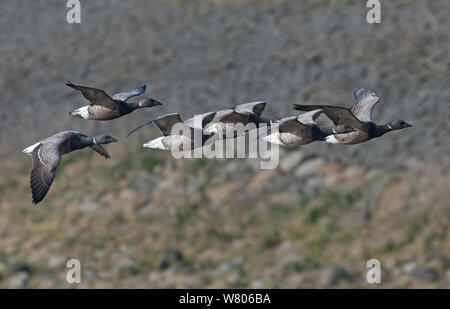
321, 133
133, 105
382, 129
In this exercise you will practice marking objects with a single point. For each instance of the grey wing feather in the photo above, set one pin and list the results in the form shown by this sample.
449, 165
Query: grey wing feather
45, 159
203, 119
365, 101
100, 150
230, 116
166, 123
310, 117
252, 107
291, 125
339, 115
95, 96
124, 96
163, 123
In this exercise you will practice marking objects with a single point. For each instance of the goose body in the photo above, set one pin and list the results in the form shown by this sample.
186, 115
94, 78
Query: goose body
359, 117
177, 135
231, 119
301, 130
46, 155
104, 107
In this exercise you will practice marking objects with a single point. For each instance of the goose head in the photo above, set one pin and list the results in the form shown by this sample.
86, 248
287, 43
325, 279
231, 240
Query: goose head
148, 103
398, 124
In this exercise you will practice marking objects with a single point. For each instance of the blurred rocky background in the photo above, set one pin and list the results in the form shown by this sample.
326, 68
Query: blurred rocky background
145, 220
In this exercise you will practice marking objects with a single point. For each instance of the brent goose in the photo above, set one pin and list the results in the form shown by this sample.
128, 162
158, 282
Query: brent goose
359, 117
302, 129
104, 107
46, 155
184, 136
226, 119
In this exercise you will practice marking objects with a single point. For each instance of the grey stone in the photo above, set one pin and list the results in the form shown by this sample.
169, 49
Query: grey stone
89, 206
332, 275
57, 261
171, 257
289, 161
419, 273
18, 280
308, 167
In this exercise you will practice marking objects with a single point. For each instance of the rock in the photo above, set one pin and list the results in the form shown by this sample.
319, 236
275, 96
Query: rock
234, 264
262, 178
290, 160
171, 257
419, 273
331, 168
220, 193
89, 206
3, 270
393, 199
284, 198
18, 280
308, 167
233, 277
257, 284
129, 196
332, 275
57, 261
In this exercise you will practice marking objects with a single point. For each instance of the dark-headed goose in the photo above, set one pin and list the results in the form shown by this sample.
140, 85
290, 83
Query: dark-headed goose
302, 129
359, 117
104, 107
177, 135
46, 155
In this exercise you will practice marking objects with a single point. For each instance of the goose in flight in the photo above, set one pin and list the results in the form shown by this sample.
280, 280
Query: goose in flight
177, 135
104, 107
226, 120
46, 155
302, 129
359, 117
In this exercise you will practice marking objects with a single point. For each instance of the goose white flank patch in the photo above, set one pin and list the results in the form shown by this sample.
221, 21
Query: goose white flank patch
155, 144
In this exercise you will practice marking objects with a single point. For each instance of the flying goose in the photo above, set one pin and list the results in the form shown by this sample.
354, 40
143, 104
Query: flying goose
226, 120
302, 129
185, 135
104, 107
46, 155
359, 117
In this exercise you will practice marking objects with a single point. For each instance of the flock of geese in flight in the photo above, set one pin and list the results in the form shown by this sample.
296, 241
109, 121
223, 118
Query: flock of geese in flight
351, 126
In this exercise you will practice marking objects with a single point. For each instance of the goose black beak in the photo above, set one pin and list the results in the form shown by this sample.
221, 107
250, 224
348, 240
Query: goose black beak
408, 125
156, 103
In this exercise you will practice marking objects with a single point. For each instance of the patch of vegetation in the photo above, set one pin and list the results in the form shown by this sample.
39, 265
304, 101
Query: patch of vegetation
332, 200
415, 227
7, 184
270, 238
150, 162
